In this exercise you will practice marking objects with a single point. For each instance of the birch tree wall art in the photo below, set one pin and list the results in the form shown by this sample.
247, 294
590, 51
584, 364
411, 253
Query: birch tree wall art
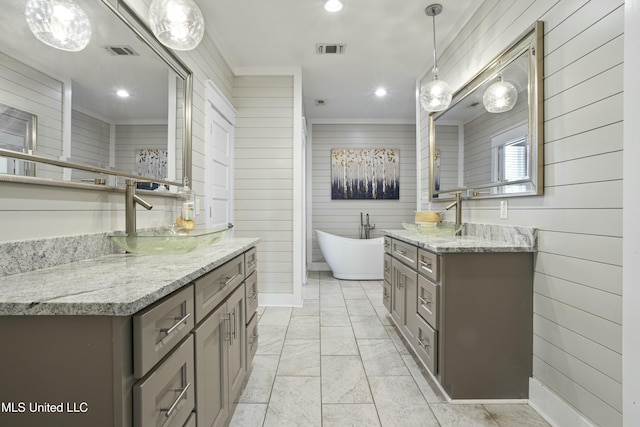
365, 173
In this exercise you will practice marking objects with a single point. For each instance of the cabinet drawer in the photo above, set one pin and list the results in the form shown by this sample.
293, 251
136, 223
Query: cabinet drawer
157, 329
167, 396
428, 264
428, 300
387, 244
251, 295
251, 261
212, 288
252, 338
427, 344
386, 295
387, 267
405, 252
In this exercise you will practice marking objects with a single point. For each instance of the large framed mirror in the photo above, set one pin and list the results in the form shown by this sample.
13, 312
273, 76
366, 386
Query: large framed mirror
490, 143
73, 99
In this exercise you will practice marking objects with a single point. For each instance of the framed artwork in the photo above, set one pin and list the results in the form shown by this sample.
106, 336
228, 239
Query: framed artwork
365, 174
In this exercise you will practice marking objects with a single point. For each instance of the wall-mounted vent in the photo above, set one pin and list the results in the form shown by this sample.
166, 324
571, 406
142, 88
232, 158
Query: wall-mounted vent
121, 50
326, 48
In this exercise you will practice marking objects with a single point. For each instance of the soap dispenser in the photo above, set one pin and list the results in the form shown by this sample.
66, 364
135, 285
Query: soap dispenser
186, 208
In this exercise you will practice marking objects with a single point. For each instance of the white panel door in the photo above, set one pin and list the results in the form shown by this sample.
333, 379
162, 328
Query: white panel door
218, 169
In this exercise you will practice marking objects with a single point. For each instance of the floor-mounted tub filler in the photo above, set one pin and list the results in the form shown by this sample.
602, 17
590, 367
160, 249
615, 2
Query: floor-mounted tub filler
352, 259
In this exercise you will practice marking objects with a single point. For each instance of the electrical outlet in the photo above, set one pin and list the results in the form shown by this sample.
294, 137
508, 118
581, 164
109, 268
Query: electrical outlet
504, 209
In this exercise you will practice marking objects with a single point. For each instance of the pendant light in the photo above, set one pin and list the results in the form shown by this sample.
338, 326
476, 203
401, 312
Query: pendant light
58, 23
501, 96
435, 95
178, 24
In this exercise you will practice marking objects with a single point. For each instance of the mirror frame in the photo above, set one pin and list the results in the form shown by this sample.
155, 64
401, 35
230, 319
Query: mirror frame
142, 31
535, 123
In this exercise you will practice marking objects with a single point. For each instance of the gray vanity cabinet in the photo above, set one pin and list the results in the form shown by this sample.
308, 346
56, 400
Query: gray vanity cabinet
180, 361
468, 317
220, 360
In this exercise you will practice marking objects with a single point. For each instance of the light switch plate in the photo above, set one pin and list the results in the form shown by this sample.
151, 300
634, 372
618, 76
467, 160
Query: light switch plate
504, 209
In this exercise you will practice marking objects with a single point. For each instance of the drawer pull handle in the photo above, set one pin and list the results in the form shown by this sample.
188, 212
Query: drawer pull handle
424, 302
176, 325
181, 396
224, 282
427, 265
401, 252
423, 345
253, 263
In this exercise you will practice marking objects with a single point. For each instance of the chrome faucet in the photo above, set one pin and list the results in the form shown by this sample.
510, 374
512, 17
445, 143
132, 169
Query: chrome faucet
366, 227
131, 198
458, 205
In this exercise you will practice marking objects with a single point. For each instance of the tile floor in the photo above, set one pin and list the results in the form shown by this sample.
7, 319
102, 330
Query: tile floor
338, 361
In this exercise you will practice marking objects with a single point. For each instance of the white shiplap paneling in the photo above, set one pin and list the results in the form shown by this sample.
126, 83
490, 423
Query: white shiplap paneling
578, 273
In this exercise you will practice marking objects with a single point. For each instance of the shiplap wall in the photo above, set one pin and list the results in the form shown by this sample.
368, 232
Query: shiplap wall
342, 217
30, 90
578, 270
23, 215
264, 174
90, 143
130, 138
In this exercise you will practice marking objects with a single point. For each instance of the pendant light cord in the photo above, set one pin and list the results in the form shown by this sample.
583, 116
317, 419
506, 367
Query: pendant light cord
435, 63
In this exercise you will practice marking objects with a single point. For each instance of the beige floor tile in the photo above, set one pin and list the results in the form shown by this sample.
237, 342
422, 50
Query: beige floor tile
258, 387
338, 341
248, 415
300, 358
515, 415
304, 328
275, 316
400, 403
344, 380
334, 316
310, 307
295, 402
380, 358
360, 307
351, 415
271, 339
455, 415
368, 327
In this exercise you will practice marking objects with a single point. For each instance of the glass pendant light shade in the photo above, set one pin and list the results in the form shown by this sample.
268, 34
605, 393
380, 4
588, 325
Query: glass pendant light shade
501, 96
435, 95
59, 23
178, 24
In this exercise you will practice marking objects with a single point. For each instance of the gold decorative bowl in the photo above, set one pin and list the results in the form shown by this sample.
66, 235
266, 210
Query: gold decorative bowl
165, 241
433, 229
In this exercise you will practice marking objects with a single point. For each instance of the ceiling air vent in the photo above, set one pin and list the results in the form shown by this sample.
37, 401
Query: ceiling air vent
121, 50
324, 48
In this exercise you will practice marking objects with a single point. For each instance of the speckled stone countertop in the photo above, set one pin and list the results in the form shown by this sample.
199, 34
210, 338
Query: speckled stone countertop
460, 244
112, 285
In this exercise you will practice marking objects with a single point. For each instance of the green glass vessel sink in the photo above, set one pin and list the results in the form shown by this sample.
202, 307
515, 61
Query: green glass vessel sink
434, 229
164, 241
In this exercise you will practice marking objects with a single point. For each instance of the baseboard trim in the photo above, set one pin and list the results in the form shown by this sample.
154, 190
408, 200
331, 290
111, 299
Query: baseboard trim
279, 300
555, 410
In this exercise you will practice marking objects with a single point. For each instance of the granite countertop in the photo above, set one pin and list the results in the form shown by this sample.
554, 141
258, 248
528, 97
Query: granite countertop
465, 244
111, 285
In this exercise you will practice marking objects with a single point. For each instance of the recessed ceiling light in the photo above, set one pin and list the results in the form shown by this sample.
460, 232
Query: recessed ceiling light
333, 5
122, 93
381, 92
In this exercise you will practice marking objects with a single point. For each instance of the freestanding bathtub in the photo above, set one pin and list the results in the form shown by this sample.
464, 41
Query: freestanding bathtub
352, 259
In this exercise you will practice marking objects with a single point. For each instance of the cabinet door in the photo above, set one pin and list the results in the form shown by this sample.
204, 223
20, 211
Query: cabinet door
408, 280
211, 341
397, 293
386, 295
237, 343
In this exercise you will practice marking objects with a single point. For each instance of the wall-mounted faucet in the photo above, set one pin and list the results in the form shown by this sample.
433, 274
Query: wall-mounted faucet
458, 205
365, 227
131, 198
